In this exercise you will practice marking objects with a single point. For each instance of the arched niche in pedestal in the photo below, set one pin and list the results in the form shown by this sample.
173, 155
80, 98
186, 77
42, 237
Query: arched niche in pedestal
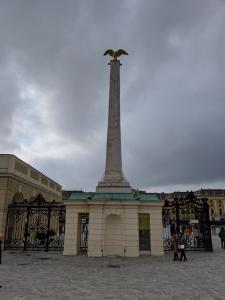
113, 235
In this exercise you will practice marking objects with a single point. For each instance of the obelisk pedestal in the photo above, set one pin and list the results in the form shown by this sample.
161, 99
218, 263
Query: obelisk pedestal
113, 180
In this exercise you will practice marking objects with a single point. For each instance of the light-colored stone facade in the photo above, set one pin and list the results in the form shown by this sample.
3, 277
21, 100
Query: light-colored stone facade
113, 226
18, 181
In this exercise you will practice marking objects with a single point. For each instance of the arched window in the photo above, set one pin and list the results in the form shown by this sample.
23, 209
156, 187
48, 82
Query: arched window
212, 211
220, 212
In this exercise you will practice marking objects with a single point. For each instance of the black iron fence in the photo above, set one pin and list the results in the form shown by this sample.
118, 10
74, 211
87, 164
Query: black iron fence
189, 215
35, 225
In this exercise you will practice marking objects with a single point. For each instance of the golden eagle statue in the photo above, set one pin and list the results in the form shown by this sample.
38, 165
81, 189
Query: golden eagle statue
115, 54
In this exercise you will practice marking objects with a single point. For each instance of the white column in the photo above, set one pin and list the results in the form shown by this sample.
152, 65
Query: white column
156, 231
71, 231
95, 235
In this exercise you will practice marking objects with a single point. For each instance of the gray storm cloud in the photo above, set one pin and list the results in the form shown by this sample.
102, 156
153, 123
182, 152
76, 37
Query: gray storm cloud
172, 89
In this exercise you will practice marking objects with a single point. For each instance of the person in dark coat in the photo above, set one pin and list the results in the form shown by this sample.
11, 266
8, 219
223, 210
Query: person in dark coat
181, 246
222, 237
174, 245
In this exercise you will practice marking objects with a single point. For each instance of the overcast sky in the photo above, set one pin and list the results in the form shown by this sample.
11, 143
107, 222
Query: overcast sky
54, 86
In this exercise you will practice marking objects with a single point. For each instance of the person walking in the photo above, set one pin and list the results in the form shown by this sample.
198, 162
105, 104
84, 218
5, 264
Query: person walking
174, 245
181, 246
222, 237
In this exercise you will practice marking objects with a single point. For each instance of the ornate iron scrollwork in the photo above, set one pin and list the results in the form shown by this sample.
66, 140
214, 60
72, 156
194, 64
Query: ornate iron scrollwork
84, 221
35, 225
189, 214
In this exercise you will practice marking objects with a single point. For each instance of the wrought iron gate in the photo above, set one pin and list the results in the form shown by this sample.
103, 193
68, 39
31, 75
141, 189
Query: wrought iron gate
189, 215
35, 225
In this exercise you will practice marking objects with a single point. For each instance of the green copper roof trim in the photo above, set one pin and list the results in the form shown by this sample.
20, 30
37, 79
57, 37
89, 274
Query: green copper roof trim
148, 197
80, 196
113, 196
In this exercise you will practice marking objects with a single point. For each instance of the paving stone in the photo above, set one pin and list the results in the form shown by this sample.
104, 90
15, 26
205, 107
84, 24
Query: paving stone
33, 276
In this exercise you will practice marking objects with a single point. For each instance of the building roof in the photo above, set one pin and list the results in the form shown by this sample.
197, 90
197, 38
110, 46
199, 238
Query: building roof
66, 193
210, 192
13, 167
10, 156
112, 196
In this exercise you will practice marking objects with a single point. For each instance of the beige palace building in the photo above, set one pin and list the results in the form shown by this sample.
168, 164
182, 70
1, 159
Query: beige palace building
19, 180
216, 201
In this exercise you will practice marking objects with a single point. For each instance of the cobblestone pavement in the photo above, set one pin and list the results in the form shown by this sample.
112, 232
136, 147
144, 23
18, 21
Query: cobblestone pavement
31, 276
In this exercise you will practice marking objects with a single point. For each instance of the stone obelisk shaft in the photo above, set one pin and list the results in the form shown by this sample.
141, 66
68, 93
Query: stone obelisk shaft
113, 180
113, 167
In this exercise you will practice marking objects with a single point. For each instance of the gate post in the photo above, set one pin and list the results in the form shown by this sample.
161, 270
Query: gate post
26, 229
49, 218
206, 208
1, 238
6, 226
177, 215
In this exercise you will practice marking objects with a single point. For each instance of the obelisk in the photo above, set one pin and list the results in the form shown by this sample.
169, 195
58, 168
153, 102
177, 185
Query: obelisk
113, 180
